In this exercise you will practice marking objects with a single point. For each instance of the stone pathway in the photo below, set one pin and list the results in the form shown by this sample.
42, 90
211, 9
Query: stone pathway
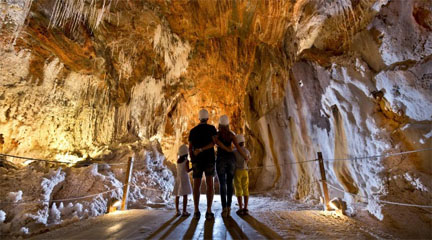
162, 224
271, 218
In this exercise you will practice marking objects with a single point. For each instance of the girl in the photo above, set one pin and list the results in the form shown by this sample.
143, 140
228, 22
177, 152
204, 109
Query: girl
182, 186
225, 163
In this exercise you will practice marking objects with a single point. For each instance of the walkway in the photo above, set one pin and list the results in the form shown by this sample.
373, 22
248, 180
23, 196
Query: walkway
162, 224
270, 219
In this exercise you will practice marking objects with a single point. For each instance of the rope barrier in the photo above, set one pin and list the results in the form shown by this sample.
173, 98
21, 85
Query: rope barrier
26, 158
274, 190
54, 161
291, 163
65, 199
253, 168
381, 201
146, 188
378, 156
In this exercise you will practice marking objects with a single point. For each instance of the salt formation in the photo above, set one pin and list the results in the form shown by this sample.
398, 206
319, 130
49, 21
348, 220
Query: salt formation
87, 81
65, 11
13, 15
14, 196
38, 204
2, 216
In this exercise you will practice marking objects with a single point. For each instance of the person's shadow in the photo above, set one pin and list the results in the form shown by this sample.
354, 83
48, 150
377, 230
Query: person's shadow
173, 226
208, 229
161, 228
260, 227
233, 228
191, 229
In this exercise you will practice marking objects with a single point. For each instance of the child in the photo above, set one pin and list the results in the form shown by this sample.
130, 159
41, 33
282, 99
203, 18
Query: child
182, 186
241, 178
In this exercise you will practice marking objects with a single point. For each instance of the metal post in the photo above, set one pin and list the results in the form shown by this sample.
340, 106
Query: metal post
323, 181
126, 183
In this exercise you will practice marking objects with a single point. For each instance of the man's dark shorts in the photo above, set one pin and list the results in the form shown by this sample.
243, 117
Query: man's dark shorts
199, 168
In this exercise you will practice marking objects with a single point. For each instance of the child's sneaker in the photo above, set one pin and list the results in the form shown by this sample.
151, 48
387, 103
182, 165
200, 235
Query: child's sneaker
197, 215
228, 211
177, 213
239, 212
245, 212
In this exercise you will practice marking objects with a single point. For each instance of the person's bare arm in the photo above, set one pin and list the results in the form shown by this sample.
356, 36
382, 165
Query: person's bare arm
220, 144
243, 153
188, 169
191, 152
199, 150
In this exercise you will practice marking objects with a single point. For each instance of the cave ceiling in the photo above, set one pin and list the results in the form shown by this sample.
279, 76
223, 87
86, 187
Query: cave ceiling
221, 40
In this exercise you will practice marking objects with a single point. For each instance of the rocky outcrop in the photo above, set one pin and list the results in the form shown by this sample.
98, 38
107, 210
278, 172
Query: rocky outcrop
347, 78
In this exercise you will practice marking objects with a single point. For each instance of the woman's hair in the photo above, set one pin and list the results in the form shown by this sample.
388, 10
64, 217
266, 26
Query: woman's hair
182, 158
224, 132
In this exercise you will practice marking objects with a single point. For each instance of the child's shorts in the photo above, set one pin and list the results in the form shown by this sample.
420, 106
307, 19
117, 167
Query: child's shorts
241, 182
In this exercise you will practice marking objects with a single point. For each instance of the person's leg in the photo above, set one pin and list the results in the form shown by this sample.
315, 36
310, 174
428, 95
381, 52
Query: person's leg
177, 200
229, 180
184, 203
210, 173
230, 187
238, 188
245, 186
196, 193
240, 203
197, 172
210, 193
222, 188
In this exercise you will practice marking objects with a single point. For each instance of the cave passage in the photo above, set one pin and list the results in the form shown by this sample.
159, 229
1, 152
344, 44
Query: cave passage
333, 98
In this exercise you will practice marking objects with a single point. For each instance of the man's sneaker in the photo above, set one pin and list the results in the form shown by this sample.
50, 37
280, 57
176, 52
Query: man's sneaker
197, 215
228, 211
209, 216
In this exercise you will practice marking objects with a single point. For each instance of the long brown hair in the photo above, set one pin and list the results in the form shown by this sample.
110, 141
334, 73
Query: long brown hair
225, 133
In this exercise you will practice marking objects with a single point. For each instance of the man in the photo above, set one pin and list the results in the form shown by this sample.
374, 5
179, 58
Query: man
202, 139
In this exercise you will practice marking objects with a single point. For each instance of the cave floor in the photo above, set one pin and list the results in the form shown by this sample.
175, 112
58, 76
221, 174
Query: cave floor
270, 218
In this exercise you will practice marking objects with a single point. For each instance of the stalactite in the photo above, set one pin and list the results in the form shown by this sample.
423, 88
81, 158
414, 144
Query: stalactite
14, 13
79, 11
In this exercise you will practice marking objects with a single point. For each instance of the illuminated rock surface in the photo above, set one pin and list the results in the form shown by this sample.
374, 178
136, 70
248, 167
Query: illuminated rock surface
348, 79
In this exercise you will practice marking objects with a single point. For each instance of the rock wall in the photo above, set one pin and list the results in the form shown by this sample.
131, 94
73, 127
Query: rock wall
346, 78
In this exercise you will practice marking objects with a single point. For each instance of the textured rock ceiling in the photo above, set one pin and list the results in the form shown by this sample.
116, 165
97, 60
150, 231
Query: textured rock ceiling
344, 77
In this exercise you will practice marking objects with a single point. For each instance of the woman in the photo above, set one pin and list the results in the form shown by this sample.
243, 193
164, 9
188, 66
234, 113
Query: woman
225, 163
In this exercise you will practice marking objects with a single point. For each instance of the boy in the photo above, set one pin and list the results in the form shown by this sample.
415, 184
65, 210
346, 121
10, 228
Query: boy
241, 178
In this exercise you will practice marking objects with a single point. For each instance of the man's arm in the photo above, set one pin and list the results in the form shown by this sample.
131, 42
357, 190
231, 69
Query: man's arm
199, 150
191, 152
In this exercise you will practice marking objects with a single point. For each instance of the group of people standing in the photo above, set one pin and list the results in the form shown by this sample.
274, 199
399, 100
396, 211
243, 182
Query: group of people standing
229, 163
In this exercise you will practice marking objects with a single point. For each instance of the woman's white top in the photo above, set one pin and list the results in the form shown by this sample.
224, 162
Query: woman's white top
182, 186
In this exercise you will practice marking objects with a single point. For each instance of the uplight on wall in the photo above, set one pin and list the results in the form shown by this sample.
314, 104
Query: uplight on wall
68, 159
338, 205
115, 206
